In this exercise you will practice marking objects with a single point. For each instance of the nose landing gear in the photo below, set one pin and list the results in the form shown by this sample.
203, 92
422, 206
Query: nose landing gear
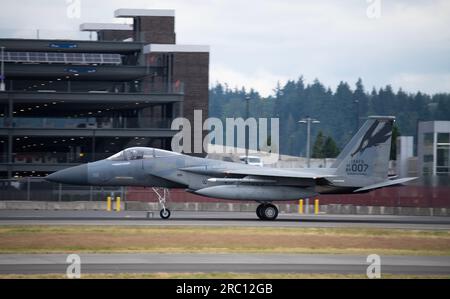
267, 211
162, 198
164, 213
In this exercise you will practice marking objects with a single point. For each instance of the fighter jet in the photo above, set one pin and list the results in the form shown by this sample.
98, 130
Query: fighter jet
362, 166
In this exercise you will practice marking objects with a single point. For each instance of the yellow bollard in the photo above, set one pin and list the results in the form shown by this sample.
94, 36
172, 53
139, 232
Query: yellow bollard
118, 204
300, 206
316, 206
108, 204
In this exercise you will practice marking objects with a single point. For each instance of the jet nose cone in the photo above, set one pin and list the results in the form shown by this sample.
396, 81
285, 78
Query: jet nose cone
77, 175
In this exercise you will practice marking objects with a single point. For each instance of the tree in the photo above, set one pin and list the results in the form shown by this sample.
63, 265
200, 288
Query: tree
361, 101
318, 146
336, 109
330, 149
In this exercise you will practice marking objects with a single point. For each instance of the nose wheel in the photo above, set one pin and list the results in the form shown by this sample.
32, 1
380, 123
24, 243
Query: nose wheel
164, 213
163, 194
267, 211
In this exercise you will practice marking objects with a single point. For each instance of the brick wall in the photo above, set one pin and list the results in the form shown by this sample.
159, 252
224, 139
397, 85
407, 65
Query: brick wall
193, 70
155, 30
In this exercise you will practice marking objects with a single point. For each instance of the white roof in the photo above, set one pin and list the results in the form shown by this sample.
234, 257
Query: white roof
130, 13
170, 48
105, 26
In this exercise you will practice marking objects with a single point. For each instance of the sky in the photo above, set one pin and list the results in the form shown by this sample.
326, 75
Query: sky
257, 43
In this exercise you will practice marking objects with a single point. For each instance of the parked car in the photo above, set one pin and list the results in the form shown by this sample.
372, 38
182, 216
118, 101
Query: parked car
252, 160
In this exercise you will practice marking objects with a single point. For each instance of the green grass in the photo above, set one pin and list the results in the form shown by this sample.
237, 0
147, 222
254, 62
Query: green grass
194, 239
394, 233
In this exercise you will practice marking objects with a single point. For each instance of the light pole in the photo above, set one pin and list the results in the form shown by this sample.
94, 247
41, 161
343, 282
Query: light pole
247, 103
308, 121
2, 70
356, 102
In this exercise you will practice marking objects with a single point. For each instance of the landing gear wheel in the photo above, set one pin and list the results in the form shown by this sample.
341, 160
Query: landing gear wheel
267, 212
163, 195
259, 211
164, 213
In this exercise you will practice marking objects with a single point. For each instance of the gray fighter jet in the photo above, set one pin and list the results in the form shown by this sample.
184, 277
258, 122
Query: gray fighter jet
362, 166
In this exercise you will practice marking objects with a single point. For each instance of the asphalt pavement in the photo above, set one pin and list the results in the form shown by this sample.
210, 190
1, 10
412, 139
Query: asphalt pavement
238, 219
237, 263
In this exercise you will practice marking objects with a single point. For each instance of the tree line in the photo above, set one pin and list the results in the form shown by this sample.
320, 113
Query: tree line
340, 112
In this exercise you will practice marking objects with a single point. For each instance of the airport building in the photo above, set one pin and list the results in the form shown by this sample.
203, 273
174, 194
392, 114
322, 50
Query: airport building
68, 102
433, 149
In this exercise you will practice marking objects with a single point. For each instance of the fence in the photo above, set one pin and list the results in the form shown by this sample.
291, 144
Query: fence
422, 193
37, 189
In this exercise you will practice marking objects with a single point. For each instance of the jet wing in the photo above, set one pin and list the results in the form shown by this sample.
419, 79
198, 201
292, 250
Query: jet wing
385, 184
257, 171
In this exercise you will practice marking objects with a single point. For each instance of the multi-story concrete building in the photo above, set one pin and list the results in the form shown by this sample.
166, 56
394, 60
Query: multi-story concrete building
74, 101
405, 157
433, 149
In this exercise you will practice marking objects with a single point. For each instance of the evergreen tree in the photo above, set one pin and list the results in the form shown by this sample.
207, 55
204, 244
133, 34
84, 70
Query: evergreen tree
361, 101
330, 149
336, 110
318, 148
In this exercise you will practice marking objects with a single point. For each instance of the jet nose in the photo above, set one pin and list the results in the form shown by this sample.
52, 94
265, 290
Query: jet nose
77, 175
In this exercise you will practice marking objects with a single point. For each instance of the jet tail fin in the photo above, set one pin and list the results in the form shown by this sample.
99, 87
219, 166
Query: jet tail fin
365, 159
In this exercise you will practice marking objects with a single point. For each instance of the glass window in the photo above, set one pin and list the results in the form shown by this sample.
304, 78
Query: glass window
443, 156
3, 149
134, 153
428, 139
117, 157
443, 137
428, 158
164, 153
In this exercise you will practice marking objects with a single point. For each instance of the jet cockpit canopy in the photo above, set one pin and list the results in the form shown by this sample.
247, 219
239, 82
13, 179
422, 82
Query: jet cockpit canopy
138, 153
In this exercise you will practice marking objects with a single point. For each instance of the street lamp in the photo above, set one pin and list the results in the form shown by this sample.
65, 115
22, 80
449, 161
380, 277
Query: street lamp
308, 121
2, 70
356, 102
247, 103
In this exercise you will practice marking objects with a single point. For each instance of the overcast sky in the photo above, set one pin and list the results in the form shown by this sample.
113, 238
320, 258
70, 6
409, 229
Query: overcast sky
255, 43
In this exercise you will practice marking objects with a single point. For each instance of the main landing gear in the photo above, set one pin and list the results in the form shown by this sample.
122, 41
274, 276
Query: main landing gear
267, 211
163, 194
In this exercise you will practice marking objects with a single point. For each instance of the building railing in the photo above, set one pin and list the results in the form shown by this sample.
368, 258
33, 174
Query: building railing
98, 122
47, 34
75, 87
63, 58
32, 157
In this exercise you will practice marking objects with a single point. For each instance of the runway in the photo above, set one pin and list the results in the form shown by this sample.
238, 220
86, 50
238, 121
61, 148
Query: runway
238, 263
238, 219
